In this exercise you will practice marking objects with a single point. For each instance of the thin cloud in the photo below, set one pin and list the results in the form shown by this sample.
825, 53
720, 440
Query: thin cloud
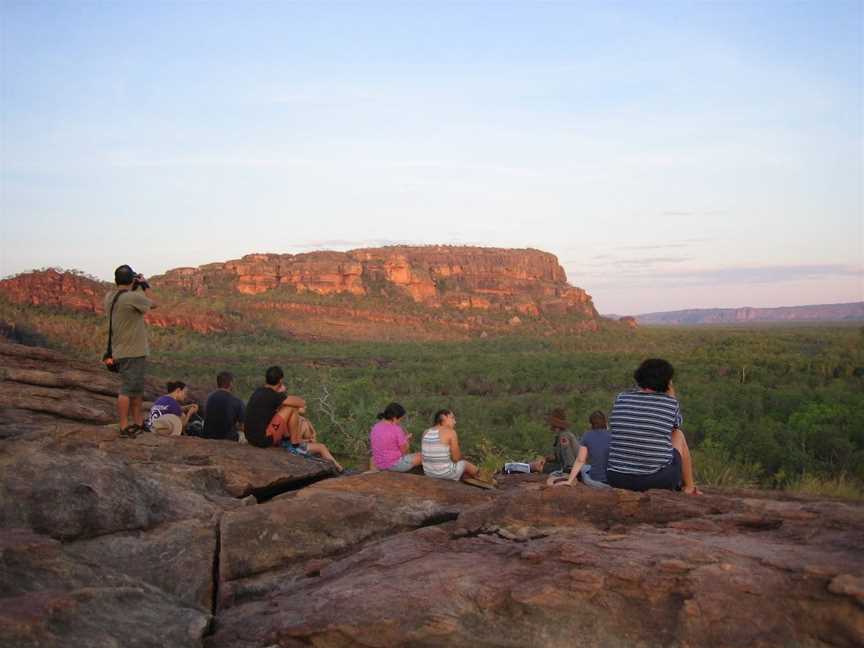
744, 275
767, 274
649, 261
607, 261
675, 245
347, 244
124, 160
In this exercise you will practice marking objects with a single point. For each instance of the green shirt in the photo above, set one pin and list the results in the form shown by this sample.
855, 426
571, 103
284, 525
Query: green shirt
129, 339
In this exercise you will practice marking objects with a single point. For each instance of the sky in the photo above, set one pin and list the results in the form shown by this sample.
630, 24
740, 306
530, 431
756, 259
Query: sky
671, 154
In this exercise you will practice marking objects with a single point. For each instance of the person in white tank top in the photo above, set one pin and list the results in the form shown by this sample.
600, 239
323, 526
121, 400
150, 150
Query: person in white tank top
442, 457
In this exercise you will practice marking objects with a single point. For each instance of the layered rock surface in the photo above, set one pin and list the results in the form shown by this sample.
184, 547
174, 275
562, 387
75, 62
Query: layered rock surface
392, 292
187, 542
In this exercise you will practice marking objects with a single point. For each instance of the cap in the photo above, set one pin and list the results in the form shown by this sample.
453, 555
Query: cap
124, 275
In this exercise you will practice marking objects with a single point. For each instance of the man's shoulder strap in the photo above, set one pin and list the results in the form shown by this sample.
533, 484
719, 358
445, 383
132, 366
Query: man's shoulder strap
111, 320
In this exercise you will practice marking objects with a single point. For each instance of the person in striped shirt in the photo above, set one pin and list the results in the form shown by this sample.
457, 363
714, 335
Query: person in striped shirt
440, 451
647, 448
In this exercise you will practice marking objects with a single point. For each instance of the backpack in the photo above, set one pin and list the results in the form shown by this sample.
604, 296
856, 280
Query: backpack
194, 426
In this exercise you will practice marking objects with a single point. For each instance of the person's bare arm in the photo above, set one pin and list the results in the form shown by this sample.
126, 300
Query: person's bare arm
188, 411
581, 458
455, 451
404, 447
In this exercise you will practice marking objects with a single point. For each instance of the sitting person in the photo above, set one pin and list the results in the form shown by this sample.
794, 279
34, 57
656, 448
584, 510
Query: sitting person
223, 412
647, 448
565, 444
590, 465
389, 442
168, 416
274, 419
442, 458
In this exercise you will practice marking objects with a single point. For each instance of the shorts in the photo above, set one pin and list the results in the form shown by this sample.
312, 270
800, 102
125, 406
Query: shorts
301, 449
453, 472
405, 463
167, 425
667, 478
585, 476
132, 372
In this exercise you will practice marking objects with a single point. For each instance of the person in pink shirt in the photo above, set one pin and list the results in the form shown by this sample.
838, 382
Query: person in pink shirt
389, 442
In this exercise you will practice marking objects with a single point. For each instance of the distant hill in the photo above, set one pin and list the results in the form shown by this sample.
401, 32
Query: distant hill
398, 292
816, 313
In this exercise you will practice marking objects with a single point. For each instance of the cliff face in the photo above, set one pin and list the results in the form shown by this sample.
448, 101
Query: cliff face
55, 288
526, 281
814, 313
434, 292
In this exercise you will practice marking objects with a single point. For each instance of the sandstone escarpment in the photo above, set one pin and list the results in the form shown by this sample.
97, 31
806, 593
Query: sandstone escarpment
528, 281
181, 541
400, 292
59, 288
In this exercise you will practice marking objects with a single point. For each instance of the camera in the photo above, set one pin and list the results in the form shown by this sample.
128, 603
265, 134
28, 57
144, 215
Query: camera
140, 282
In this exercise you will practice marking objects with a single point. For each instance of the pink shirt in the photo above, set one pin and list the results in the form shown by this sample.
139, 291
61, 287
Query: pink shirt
386, 439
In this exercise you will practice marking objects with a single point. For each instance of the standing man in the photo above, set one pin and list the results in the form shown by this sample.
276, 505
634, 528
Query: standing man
224, 412
129, 344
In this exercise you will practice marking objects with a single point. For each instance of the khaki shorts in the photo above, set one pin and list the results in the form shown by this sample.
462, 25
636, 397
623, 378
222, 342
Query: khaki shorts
167, 425
132, 371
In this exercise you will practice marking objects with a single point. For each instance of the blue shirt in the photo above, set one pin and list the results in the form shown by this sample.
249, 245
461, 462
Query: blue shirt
597, 443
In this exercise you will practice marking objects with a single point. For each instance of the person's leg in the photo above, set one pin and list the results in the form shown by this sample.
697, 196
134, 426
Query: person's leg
679, 442
416, 460
277, 429
126, 383
132, 372
470, 470
321, 450
123, 410
406, 463
135, 403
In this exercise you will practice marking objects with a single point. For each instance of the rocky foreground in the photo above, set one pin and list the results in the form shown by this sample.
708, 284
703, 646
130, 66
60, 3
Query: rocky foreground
187, 542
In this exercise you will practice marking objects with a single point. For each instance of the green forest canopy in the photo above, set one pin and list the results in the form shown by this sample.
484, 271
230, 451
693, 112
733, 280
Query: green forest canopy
768, 405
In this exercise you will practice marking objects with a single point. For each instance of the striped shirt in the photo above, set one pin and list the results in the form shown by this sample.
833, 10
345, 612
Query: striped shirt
436, 457
641, 425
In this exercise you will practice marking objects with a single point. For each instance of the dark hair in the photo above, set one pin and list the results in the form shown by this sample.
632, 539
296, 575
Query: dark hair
392, 411
598, 420
655, 374
124, 275
171, 385
273, 375
439, 416
224, 379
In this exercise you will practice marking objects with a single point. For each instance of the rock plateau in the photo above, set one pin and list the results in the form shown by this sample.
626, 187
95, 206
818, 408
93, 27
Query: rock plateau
187, 542
400, 292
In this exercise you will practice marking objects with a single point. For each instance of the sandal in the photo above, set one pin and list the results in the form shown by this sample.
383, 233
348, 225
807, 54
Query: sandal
131, 431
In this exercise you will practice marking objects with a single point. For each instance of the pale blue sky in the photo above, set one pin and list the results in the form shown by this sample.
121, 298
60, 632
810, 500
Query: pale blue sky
672, 154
